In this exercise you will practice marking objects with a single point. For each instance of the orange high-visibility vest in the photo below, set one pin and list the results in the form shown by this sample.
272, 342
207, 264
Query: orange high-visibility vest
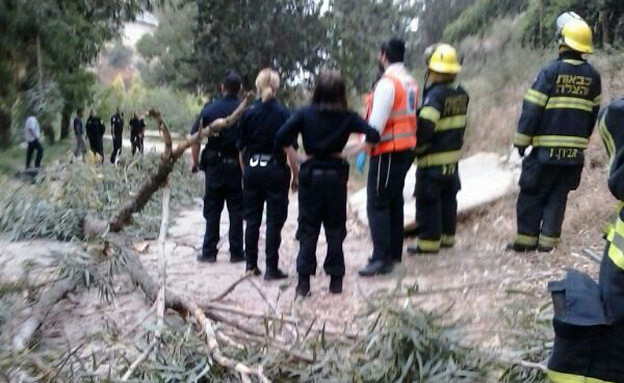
399, 134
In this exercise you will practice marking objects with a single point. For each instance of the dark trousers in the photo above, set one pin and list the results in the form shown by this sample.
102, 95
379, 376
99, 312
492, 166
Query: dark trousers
223, 185
611, 282
322, 201
117, 145
33, 146
436, 205
137, 143
542, 200
265, 184
386, 178
96, 143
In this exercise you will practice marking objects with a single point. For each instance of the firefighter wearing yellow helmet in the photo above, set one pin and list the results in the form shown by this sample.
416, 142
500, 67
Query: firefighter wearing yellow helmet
441, 125
558, 117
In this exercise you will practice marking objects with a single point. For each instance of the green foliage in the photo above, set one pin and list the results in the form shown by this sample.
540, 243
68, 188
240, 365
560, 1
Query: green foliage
169, 50
119, 56
179, 108
42, 101
478, 16
56, 206
245, 35
358, 28
70, 35
435, 16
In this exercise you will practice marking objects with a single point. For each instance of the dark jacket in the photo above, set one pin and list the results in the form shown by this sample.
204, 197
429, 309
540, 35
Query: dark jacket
225, 142
258, 128
324, 133
442, 123
95, 127
560, 110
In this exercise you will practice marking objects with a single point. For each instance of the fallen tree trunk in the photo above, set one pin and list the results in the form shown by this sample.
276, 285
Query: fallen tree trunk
184, 307
44, 305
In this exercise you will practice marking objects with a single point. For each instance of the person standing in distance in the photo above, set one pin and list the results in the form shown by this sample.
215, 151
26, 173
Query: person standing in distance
137, 133
266, 177
393, 114
117, 124
559, 113
220, 162
325, 127
32, 134
81, 145
95, 134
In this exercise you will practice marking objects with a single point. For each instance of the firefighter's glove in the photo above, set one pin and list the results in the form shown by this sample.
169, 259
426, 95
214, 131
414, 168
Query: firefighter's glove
360, 161
521, 150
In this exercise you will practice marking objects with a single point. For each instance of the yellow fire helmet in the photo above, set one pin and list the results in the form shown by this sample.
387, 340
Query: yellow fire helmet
442, 58
574, 32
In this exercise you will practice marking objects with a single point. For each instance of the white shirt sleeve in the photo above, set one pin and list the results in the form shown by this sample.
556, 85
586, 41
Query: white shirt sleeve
383, 99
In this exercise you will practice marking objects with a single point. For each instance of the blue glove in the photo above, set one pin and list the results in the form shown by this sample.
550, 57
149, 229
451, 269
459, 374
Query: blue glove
360, 161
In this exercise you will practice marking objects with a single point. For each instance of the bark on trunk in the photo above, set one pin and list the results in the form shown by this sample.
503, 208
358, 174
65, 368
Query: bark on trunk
41, 310
65, 121
5, 129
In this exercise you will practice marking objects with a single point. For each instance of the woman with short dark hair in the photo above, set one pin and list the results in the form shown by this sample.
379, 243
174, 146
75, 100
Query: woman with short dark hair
325, 127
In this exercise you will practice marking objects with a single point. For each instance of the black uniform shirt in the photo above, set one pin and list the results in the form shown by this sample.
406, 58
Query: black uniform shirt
259, 125
324, 133
225, 142
137, 126
95, 127
117, 123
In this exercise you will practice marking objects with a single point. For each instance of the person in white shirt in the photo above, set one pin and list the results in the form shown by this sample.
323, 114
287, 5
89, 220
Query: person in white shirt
393, 114
32, 133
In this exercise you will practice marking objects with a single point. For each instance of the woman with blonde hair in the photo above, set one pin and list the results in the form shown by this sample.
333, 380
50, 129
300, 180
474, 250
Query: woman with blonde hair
266, 176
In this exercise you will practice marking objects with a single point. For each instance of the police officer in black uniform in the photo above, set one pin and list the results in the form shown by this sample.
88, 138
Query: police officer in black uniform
95, 133
558, 117
220, 162
137, 133
117, 124
266, 178
441, 126
325, 127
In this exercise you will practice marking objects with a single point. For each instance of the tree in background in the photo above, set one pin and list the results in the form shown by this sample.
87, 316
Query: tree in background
169, 50
435, 15
45, 45
248, 35
358, 28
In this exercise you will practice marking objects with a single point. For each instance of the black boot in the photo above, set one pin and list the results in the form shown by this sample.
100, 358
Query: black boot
237, 258
520, 248
252, 269
303, 288
207, 258
274, 274
335, 285
376, 268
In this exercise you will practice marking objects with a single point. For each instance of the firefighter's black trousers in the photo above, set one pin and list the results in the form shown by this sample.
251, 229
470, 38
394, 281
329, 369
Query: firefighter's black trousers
322, 201
223, 185
589, 325
386, 179
436, 205
542, 200
268, 184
